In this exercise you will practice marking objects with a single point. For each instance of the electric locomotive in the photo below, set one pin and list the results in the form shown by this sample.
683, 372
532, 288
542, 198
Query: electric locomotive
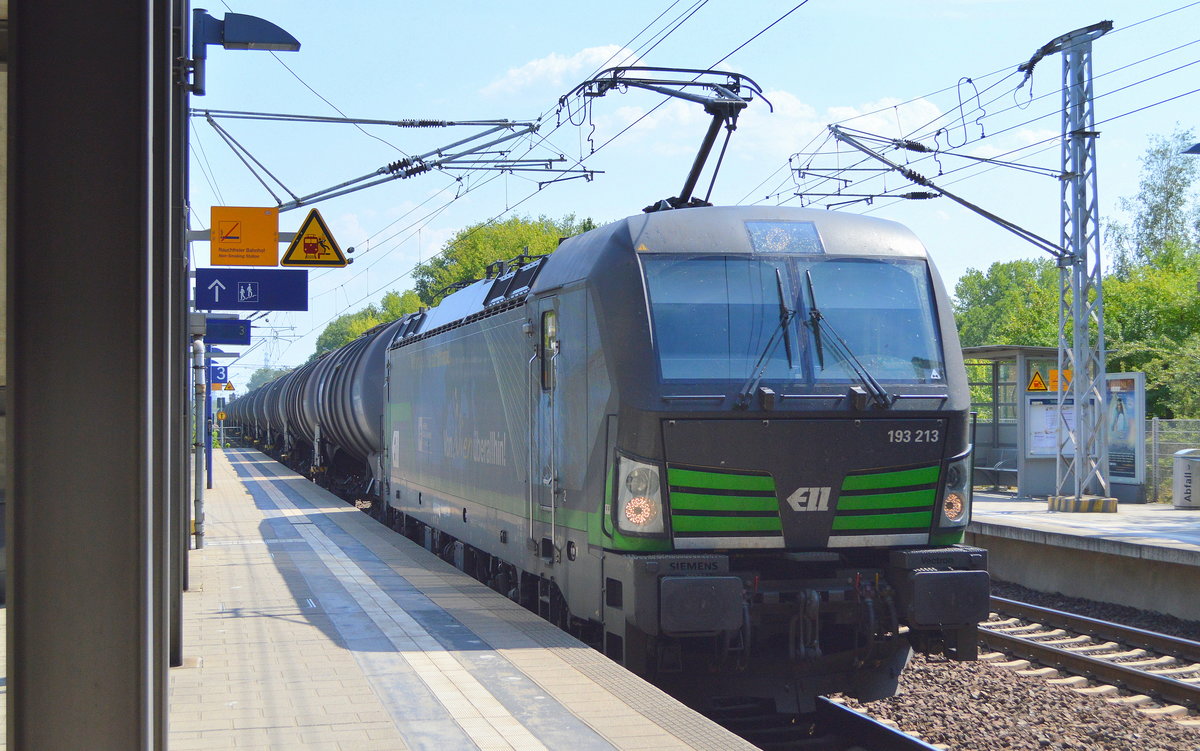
729, 446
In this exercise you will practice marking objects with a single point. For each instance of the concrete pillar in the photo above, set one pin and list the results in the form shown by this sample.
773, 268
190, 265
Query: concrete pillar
86, 617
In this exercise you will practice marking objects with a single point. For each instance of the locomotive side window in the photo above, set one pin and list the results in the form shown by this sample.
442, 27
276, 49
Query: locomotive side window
549, 347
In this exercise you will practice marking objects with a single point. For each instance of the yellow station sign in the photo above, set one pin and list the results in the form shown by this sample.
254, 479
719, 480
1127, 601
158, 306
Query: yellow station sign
244, 236
1057, 384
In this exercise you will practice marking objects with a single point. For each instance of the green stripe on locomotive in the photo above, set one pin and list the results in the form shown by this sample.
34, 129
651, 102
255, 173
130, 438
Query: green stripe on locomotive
734, 502
904, 500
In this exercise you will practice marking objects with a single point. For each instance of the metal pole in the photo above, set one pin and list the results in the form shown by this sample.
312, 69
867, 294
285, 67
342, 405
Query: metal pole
1154, 459
174, 352
199, 381
710, 137
208, 421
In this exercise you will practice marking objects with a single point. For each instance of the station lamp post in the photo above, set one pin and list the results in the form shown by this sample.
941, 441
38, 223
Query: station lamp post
235, 31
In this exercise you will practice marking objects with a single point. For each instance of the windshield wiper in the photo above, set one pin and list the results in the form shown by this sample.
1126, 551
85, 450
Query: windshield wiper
818, 322
814, 319
786, 315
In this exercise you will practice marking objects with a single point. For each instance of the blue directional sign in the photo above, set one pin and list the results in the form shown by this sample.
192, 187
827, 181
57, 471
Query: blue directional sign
218, 374
227, 331
251, 289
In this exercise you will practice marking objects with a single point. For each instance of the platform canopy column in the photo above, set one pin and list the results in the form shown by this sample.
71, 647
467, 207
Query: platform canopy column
89, 84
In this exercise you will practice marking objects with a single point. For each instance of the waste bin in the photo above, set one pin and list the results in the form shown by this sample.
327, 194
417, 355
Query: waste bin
1185, 490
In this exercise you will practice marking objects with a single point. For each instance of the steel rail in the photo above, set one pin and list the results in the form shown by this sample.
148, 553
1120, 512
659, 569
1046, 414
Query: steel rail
830, 727
865, 731
1174, 646
1135, 679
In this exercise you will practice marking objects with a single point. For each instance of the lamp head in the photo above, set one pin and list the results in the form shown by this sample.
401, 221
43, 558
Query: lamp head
236, 32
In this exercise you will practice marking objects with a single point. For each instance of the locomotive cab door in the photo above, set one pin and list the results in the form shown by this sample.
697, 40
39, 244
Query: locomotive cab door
545, 491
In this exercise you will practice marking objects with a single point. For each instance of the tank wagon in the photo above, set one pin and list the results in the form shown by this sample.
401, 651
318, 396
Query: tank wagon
729, 446
324, 418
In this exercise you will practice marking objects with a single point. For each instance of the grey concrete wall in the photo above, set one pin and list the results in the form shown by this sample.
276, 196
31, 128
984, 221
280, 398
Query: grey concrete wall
1162, 586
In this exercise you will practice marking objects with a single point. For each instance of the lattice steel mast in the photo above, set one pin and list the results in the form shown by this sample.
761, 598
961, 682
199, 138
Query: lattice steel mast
1082, 444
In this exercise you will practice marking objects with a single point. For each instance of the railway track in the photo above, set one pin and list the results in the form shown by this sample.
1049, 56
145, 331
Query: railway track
833, 727
1163, 667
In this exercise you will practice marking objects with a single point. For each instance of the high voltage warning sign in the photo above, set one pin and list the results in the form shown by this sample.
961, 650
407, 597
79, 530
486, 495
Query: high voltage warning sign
313, 245
1036, 383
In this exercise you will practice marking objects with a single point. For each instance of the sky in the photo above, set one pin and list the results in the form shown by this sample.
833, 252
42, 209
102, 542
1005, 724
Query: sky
942, 73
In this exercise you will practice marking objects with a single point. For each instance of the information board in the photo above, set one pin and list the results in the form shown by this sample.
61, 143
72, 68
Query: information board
1125, 419
1041, 425
1125, 425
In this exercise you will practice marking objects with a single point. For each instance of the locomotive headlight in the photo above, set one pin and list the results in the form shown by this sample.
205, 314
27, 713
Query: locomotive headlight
639, 500
956, 496
953, 506
642, 481
954, 475
639, 511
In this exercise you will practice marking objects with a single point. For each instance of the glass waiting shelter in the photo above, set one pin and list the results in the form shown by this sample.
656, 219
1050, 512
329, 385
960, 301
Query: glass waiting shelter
1009, 452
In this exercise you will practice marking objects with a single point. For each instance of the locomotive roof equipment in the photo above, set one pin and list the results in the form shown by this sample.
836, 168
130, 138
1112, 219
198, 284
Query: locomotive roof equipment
728, 94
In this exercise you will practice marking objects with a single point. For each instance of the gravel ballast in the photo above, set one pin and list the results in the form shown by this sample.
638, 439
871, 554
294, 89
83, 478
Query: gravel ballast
978, 706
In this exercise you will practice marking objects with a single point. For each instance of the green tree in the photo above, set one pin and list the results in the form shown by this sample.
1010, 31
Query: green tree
1014, 302
346, 328
1152, 324
349, 326
397, 304
466, 256
1151, 304
1161, 216
265, 375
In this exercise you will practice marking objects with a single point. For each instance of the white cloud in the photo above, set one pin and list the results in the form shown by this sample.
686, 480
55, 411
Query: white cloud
348, 228
781, 132
558, 71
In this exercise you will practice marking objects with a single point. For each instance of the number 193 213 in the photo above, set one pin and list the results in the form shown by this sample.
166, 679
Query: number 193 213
914, 436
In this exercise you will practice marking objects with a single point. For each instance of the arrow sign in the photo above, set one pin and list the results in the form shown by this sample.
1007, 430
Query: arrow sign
251, 289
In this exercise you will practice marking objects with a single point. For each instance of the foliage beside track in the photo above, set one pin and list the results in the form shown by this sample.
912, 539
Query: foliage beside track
466, 255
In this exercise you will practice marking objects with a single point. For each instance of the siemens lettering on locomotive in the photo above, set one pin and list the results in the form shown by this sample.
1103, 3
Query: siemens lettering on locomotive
728, 446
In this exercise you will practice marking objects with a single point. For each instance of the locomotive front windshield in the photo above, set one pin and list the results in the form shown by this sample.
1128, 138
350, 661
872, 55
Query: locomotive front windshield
719, 318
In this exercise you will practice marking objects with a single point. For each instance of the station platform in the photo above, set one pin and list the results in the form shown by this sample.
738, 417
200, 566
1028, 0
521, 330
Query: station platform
308, 625
1144, 555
